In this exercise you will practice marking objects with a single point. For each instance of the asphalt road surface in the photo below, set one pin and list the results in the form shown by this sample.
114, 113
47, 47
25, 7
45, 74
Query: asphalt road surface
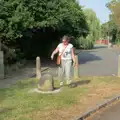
111, 113
100, 61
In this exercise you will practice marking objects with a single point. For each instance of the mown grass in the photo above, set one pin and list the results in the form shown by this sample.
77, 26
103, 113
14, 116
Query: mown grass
16, 102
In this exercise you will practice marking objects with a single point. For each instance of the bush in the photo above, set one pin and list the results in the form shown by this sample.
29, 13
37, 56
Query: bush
11, 55
118, 38
85, 43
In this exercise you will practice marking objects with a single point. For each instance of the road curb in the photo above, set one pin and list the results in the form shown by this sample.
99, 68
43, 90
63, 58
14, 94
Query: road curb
98, 107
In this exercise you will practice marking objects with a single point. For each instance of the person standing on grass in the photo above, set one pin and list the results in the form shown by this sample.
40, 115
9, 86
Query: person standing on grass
66, 51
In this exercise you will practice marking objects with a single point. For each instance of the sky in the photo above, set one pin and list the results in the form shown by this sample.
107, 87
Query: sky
99, 7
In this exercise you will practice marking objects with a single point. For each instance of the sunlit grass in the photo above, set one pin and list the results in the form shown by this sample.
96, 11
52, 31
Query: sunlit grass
17, 101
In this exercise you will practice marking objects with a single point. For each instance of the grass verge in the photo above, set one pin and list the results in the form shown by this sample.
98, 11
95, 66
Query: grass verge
16, 103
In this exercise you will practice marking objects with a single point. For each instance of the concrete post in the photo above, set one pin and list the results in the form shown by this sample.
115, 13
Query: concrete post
108, 42
1, 66
0, 44
119, 66
76, 71
38, 68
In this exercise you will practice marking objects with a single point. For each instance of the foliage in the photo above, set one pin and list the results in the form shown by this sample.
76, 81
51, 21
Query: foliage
114, 7
117, 38
93, 23
20, 20
85, 43
112, 27
104, 30
94, 30
16, 16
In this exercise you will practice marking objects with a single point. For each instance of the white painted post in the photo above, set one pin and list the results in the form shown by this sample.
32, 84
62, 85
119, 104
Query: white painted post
108, 42
76, 71
119, 66
1, 66
0, 44
38, 68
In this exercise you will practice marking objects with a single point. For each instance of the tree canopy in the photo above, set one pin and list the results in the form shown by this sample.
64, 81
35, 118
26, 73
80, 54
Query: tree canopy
114, 7
93, 23
16, 16
94, 30
112, 27
25, 23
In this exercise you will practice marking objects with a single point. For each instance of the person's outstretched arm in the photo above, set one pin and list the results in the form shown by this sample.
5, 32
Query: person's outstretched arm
54, 52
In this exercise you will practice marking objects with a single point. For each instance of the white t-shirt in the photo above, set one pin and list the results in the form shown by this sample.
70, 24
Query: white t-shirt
67, 54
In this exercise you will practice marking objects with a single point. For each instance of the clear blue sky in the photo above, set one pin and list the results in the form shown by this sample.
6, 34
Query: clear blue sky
99, 7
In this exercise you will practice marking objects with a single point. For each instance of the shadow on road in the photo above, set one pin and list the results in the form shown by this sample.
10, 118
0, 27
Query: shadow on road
86, 56
98, 47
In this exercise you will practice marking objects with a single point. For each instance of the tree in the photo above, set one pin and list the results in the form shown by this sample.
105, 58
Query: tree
114, 23
94, 29
114, 6
16, 16
109, 29
105, 30
22, 19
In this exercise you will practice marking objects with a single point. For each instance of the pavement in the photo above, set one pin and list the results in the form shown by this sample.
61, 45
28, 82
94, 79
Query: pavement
110, 113
21, 74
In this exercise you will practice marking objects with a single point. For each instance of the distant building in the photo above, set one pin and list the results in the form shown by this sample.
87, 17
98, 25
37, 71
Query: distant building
105, 42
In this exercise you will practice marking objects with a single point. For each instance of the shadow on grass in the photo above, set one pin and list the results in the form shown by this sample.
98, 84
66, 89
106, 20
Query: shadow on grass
4, 110
79, 83
6, 93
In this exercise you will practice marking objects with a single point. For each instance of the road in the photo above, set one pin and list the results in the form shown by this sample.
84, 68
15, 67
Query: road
100, 61
111, 113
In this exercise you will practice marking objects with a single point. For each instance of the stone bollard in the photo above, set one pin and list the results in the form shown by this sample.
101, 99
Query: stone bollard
1, 66
76, 71
46, 83
38, 68
119, 66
